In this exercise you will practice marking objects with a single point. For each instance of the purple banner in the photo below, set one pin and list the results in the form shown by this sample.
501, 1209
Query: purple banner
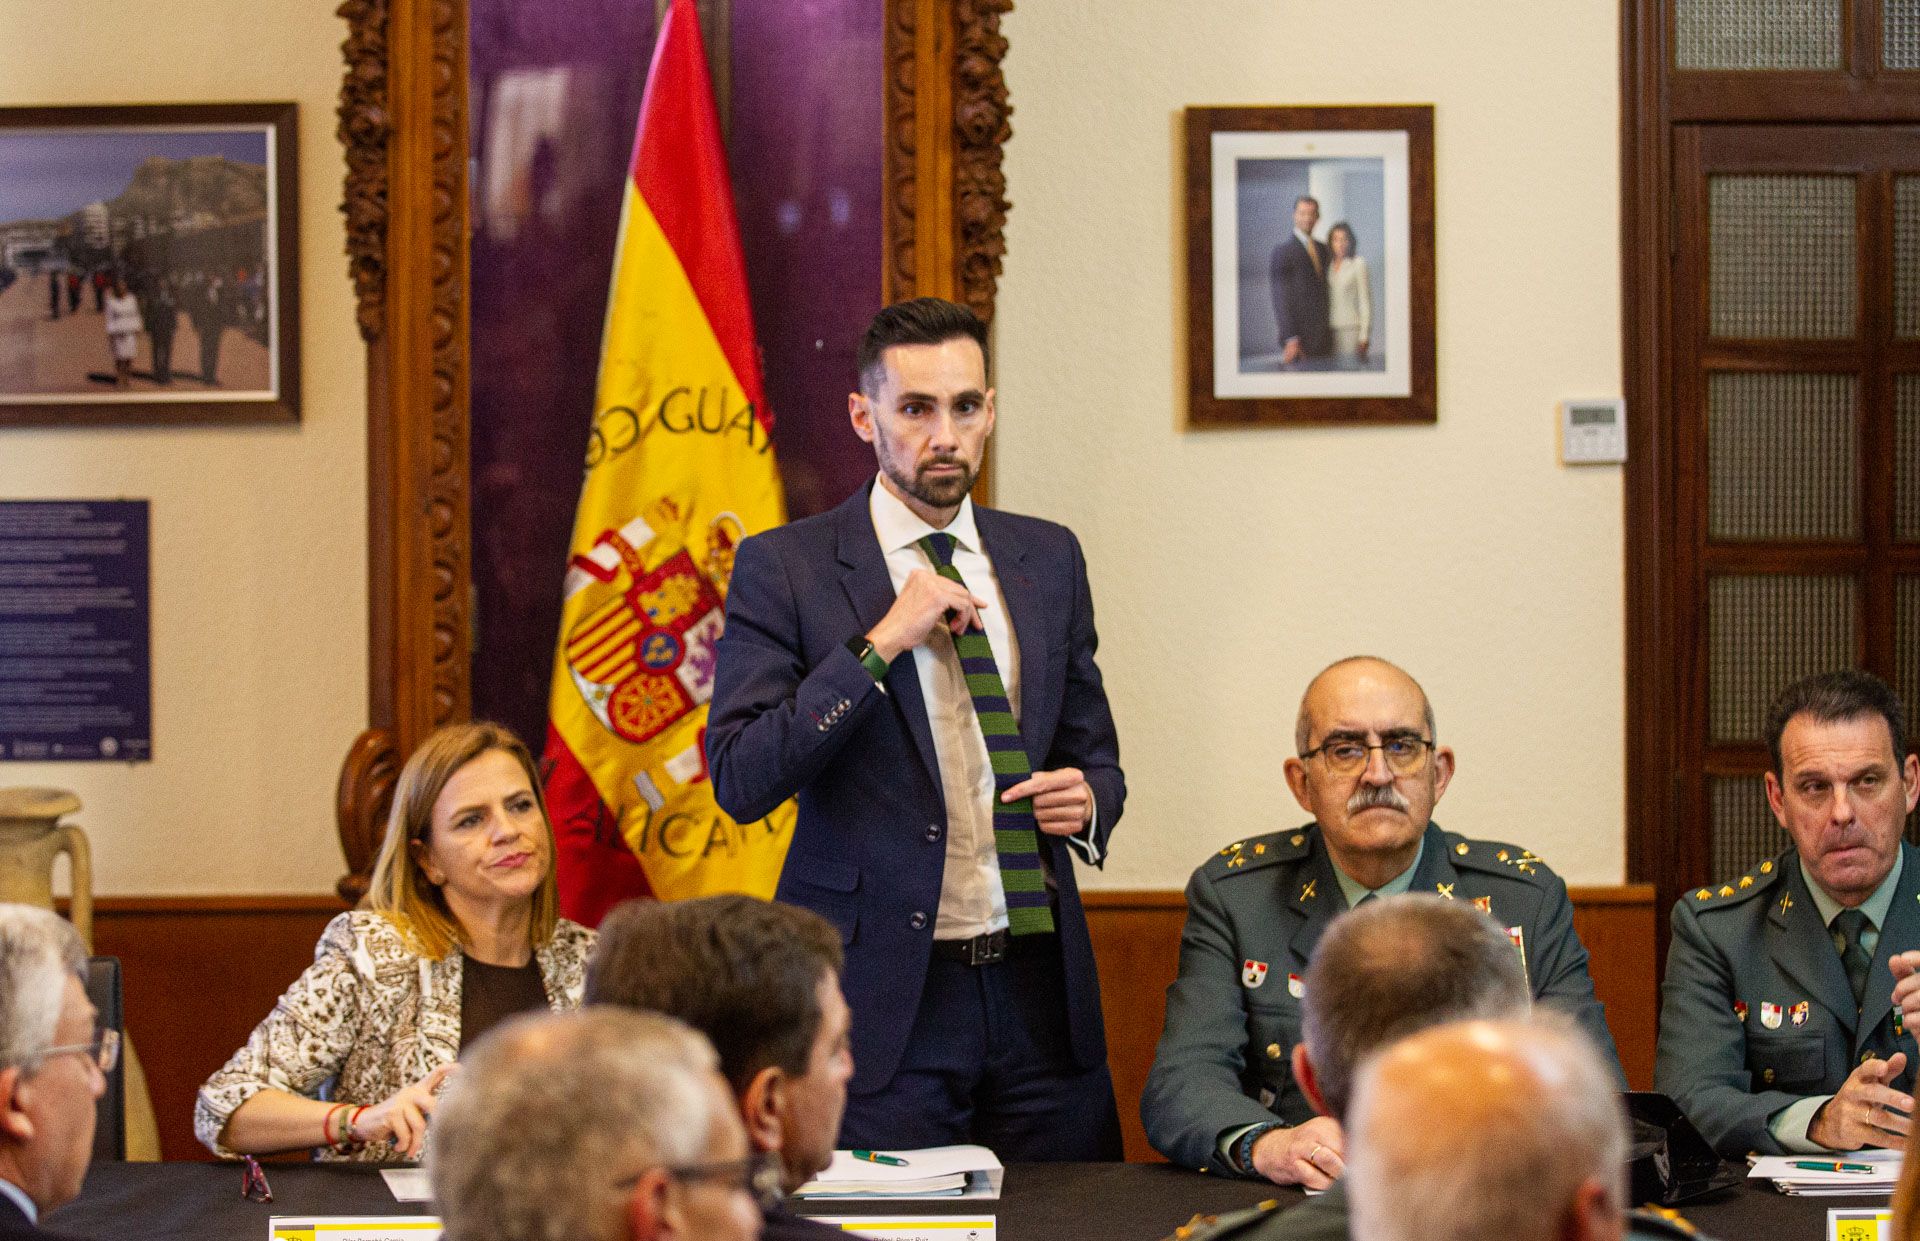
76, 668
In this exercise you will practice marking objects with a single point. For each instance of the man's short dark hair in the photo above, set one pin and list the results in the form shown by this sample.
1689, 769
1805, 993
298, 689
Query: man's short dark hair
921, 321
1395, 966
1832, 697
1306, 198
744, 972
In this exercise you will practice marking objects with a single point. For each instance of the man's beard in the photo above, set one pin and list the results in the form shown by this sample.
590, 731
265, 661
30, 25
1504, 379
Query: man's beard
943, 492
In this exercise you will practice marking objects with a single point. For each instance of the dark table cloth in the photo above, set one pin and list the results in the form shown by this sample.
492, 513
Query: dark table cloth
1040, 1202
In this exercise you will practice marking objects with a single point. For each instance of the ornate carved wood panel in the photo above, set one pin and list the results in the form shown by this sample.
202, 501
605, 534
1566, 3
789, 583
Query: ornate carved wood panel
403, 122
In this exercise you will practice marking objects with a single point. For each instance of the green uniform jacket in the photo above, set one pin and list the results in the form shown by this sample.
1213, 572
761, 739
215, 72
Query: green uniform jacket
1325, 1218
1756, 1012
1255, 912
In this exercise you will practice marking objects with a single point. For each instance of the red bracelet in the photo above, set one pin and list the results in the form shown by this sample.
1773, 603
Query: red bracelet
353, 1121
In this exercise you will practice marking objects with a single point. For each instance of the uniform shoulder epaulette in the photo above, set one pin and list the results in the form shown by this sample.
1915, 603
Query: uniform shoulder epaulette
1653, 1221
1227, 1224
1257, 851
1736, 891
1495, 857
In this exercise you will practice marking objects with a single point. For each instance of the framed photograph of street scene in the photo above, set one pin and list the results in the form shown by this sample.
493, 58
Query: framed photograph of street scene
1309, 265
148, 265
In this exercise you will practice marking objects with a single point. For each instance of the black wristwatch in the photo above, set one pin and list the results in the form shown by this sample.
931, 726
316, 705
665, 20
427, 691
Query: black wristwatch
862, 648
1243, 1149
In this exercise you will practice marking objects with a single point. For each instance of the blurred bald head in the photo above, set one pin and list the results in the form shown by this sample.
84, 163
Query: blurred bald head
1533, 1146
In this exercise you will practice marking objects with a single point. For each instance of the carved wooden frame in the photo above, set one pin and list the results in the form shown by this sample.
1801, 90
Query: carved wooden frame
403, 122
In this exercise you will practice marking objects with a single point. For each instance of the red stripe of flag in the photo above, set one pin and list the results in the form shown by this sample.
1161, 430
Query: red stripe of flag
592, 863
680, 170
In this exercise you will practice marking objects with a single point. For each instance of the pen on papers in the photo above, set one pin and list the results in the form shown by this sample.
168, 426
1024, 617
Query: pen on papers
1816, 1165
892, 1161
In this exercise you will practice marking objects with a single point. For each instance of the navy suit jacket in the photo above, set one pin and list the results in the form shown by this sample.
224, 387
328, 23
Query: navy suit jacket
794, 713
14, 1224
1300, 296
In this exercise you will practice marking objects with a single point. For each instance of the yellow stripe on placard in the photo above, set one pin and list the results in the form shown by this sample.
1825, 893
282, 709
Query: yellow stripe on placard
918, 1223
353, 1227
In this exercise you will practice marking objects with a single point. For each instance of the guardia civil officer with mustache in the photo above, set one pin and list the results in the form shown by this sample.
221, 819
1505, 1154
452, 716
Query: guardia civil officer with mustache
1221, 1096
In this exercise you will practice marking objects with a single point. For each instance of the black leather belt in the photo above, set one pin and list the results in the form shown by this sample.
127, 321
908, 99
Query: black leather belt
992, 947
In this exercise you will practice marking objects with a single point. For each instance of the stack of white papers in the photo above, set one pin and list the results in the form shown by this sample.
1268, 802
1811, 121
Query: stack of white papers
1852, 1173
936, 1172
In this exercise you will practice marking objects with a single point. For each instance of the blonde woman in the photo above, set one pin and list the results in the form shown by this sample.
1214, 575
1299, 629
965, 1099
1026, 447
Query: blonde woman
458, 931
1349, 300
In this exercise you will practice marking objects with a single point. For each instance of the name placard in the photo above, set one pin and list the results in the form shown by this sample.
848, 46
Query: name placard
353, 1228
1859, 1224
913, 1227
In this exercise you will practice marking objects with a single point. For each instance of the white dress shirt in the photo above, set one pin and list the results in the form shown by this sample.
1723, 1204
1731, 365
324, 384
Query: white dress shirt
19, 1196
972, 901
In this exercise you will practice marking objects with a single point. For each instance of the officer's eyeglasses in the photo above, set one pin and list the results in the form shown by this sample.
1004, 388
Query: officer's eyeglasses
759, 1176
1406, 754
104, 1050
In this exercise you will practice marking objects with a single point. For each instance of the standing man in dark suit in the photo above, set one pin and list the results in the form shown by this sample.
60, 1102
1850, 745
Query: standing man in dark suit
920, 673
55, 1064
1298, 272
1787, 1016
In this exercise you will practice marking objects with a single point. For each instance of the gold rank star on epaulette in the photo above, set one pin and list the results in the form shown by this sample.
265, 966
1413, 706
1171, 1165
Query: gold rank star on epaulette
1735, 891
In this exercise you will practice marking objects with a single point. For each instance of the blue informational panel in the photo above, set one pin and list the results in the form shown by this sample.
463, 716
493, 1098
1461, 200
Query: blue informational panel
76, 669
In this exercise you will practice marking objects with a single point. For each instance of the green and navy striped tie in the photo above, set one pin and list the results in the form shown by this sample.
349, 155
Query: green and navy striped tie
1015, 834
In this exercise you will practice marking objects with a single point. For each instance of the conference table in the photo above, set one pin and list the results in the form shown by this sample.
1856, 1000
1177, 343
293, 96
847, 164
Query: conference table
1039, 1202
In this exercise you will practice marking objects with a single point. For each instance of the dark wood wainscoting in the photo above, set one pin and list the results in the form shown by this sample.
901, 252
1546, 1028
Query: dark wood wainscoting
1136, 937
198, 974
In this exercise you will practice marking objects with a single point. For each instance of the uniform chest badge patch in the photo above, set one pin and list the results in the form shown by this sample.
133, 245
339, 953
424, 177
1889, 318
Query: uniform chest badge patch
1295, 987
1253, 973
1798, 1013
1899, 1023
1740, 1010
1483, 903
1518, 934
1769, 1015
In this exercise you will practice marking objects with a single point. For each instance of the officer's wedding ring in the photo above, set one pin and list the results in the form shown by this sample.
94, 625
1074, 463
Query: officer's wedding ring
1315, 1152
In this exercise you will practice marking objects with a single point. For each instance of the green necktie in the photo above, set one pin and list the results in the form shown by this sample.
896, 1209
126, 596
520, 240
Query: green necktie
1015, 834
1848, 925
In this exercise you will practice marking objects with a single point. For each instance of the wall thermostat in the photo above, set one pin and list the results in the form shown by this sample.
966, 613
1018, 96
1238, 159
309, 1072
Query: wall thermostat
1593, 432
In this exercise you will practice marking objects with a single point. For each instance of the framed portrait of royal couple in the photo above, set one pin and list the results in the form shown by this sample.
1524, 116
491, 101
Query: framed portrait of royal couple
1310, 265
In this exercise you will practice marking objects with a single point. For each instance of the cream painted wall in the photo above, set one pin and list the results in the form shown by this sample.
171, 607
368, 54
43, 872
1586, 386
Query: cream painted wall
259, 545
1229, 566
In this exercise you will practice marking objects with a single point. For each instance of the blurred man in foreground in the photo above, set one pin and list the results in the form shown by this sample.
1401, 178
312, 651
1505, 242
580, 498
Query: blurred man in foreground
599, 1125
55, 1064
762, 981
1534, 1147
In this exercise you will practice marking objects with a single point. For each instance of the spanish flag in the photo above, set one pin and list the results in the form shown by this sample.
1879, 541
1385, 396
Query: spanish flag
679, 469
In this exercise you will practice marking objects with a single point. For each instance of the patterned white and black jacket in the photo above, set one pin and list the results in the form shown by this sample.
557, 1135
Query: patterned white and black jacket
370, 1015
